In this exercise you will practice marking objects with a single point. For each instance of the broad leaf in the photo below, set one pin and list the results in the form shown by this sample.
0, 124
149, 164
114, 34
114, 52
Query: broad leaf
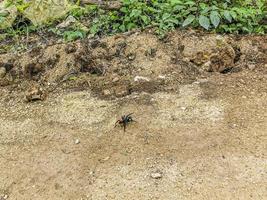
131, 26
189, 20
175, 2
145, 19
166, 16
215, 18
227, 16
135, 13
204, 22
233, 14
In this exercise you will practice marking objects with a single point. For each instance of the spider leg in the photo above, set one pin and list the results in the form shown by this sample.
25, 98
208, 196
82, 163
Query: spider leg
124, 127
129, 114
117, 122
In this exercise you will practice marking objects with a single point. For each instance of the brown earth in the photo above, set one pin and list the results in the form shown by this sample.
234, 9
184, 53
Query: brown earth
200, 102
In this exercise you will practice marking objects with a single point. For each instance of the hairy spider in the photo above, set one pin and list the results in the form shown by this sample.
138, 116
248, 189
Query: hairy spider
125, 119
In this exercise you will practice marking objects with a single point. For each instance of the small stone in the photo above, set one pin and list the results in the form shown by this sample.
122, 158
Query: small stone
207, 66
183, 108
131, 56
140, 78
2, 72
251, 66
156, 175
106, 158
35, 93
77, 141
115, 79
106, 92
162, 77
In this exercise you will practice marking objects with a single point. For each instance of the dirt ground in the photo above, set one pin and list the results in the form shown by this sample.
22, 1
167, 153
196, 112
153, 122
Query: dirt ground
200, 102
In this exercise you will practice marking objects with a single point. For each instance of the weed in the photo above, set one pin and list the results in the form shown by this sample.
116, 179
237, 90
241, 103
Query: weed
228, 16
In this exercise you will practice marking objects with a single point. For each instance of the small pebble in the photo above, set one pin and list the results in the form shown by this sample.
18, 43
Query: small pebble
2, 72
141, 78
156, 175
106, 158
251, 66
77, 141
106, 92
115, 79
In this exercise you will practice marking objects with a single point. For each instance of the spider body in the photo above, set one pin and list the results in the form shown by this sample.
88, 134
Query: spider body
125, 120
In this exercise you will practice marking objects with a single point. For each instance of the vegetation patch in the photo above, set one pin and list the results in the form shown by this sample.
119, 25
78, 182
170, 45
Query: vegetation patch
228, 16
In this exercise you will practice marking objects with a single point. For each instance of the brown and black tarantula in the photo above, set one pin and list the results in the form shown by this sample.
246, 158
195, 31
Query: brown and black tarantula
125, 120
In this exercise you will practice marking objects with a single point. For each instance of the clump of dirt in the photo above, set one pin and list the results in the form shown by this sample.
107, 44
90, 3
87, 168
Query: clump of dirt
111, 64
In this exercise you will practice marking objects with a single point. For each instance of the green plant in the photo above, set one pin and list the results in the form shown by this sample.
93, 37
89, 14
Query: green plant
73, 35
82, 12
225, 16
221, 16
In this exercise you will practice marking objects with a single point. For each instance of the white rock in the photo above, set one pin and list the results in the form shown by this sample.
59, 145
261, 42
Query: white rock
106, 92
77, 141
251, 66
141, 78
115, 79
156, 175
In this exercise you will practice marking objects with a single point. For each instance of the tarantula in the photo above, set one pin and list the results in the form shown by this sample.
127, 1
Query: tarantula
125, 119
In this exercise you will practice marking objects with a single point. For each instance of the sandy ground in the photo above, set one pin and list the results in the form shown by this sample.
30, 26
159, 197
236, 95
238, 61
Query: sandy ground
205, 141
198, 135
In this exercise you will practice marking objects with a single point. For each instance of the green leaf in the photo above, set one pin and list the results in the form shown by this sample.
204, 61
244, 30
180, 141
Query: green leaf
215, 18
204, 22
131, 26
205, 10
227, 16
193, 9
124, 9
178, 8
122, 28
73, 35
145, 19
4, 13
191, 3
73, 78
2, 19
166, 16
175, 2
135, 13
189, 20
233, 14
